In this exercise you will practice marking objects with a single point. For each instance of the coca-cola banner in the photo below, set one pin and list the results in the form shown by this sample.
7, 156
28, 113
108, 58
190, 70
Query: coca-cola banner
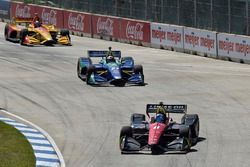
21, 10
135, 30
50, 15
105, 26
76, 21
234, 46
200, 40
167, 35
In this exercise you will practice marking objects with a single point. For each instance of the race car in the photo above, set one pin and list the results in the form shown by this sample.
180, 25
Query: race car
27, 32
116, 71
159, 135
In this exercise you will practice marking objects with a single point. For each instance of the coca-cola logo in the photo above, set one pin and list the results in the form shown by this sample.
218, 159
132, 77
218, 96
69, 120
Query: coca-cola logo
49, 17
134, 31
105, 26
76, 22
23, 12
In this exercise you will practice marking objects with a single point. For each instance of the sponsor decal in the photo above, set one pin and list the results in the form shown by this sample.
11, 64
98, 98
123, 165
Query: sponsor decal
226, 45
206, 42
23, 12
76, 22
242, 48
159, 34
105, 26
49, 17
174, 36
134, 31
192, 40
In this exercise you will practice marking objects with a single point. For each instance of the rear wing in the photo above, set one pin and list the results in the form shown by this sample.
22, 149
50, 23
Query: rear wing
22, 20
103, 53
170, 108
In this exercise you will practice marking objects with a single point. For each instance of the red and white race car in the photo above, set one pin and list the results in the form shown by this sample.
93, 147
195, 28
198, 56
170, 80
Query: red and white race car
161, 134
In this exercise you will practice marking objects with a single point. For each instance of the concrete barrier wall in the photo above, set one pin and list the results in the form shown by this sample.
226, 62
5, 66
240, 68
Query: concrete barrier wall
176, 38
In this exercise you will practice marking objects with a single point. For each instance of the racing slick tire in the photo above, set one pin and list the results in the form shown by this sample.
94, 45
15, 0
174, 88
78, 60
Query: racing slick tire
155, 150
192, 120
125, 132
185, 132
90, 70
81, 71
6, 30
23, 34
138, 69
140, 118
65, 32
125, 59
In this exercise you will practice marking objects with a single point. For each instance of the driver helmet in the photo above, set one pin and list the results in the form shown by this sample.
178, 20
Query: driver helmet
159, 118
37, 23
110, 57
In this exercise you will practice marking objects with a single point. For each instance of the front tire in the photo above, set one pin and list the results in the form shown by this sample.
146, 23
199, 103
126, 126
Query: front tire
138, 69
23, 34
6, 30
90, 71
125, 132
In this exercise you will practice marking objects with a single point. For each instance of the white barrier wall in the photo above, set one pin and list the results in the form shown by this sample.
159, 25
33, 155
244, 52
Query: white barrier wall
167, 35
233, 46
200, 40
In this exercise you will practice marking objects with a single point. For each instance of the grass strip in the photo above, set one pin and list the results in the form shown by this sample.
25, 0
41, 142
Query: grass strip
15, 150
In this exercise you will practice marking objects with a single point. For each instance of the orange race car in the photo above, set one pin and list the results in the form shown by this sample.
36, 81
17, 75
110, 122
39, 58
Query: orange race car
30, 32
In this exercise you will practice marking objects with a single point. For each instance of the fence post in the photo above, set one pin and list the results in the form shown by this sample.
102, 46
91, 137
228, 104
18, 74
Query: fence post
146, 11
162, 9
247, 20
229, 17
195, 13
178, 12
211, 14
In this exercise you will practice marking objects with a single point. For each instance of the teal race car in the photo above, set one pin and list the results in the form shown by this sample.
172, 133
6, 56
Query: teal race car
117, 70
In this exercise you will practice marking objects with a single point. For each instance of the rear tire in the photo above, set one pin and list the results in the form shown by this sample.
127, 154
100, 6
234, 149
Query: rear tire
65, 32
139, 117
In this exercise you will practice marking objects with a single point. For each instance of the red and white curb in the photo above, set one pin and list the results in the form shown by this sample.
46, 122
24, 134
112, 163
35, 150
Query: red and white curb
46, 152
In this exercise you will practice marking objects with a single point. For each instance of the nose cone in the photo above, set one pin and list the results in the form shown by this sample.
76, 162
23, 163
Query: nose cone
44, 33
155, 132
115, 71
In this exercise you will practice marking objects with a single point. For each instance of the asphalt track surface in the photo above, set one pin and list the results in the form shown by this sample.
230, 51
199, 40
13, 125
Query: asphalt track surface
40, 84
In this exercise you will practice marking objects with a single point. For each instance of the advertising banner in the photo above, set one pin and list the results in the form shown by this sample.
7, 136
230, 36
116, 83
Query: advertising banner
76, 21
50, 15
234, 46
135, 30
167, 35
200, 40
105, 26
5, 9
22, 10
